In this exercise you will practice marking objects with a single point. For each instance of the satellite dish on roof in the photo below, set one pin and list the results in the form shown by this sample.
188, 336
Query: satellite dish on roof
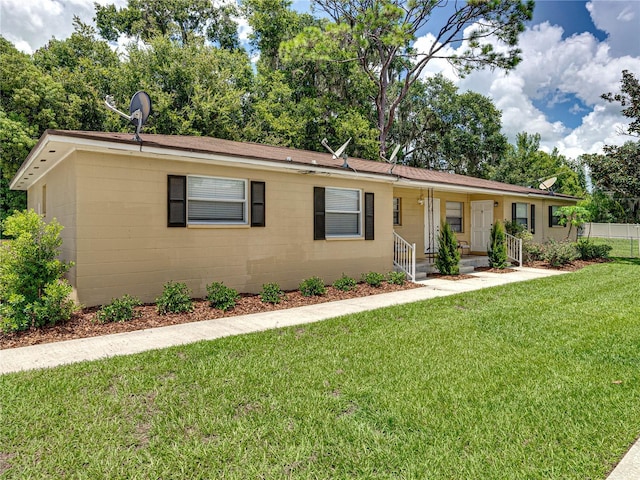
394, 154
339, 151
548, 183
139, 110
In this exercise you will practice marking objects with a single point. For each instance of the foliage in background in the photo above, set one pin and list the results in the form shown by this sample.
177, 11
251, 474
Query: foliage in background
574, 215
175, 298
119, 310
221, 297
271, 293
589, 250
497, 250
448, 258
32, 290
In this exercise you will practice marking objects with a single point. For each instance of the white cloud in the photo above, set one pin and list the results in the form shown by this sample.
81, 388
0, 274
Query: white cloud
621, 21
554, 70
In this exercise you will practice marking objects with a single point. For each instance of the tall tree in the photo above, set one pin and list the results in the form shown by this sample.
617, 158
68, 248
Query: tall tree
525, 164
379, 35
446, 130
184, 21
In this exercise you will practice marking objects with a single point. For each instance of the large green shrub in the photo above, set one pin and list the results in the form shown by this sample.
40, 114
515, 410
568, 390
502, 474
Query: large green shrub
589, 250
448, 259
497, 250
558, 254
175, 298
32, 290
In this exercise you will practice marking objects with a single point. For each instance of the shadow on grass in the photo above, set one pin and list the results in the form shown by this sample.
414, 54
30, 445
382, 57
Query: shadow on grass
626, 261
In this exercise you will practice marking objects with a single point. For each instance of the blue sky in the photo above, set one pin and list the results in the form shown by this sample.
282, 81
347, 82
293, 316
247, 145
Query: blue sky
573, 51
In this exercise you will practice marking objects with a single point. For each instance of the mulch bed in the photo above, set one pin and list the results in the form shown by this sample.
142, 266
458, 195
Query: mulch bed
83, 323
495, 270
462, 276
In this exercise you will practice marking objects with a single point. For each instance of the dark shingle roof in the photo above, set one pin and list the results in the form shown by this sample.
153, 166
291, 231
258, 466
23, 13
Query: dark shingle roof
269, 153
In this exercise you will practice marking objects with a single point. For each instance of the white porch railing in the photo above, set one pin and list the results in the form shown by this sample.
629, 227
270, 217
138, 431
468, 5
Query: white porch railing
404, 256
514, 249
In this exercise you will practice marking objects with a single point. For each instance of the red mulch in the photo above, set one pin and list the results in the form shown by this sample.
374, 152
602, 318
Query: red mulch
83, 323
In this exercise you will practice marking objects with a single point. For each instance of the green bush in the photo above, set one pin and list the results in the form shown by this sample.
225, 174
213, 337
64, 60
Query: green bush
119, 310
312, 286
514, 228
558, 254
221, 297
497, 250
397, 278
373, 279
175, 298
271, 293
32, 291
345, 283
589, 250
448, 259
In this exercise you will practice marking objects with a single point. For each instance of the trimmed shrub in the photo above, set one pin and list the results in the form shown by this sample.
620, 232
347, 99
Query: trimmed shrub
271, 293
312, 286
32, 290
396, 278
175, 298
558, 254
119, 310
497, 250
590, 251
448, 259
373, 279
221, 297
345, 283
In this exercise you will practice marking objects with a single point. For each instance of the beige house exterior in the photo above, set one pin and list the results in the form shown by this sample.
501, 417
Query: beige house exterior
199, 210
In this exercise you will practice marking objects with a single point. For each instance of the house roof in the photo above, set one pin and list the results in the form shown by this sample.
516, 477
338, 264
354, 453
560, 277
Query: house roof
55, 145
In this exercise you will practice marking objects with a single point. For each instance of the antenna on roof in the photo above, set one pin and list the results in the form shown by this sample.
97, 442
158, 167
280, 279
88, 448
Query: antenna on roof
547, 184
139, 110
338, 153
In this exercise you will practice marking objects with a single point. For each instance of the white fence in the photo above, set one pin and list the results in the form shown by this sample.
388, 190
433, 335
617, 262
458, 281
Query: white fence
624, 237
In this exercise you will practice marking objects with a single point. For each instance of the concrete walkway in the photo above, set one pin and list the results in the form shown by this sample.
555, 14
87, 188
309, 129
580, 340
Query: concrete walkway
94, 348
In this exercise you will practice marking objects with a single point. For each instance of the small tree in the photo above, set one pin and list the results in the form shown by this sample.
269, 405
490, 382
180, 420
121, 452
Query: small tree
32, 290
574, 215
448, 259
497, 250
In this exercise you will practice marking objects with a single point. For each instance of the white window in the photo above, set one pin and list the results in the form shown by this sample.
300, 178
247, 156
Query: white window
454, 215
343, 212
397, 211
212, 200
520, 214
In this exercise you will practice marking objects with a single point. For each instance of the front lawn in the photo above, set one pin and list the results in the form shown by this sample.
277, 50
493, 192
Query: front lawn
532, 380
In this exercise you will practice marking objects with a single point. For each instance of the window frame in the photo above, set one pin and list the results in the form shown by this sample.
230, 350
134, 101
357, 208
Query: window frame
397, 211
359, 213
461, 217
516, 219
244, 201
553, 220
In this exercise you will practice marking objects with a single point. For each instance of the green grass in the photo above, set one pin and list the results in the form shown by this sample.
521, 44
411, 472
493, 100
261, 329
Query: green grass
622, 247
536, 380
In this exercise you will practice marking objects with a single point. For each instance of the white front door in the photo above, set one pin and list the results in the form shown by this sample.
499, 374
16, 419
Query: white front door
431, 226
481, 221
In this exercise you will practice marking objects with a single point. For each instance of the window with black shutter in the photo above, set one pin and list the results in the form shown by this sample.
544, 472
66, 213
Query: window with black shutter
176, 201
318, 213
368, 216
258, 204
533, 218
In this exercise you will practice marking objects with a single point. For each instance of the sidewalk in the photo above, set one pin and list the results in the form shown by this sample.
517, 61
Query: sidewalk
94, 348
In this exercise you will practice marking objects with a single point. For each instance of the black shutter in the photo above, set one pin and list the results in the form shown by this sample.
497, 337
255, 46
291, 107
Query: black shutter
176, 201
513, 212
550, 216
318, 213
533, 218
368, 216
258, 204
